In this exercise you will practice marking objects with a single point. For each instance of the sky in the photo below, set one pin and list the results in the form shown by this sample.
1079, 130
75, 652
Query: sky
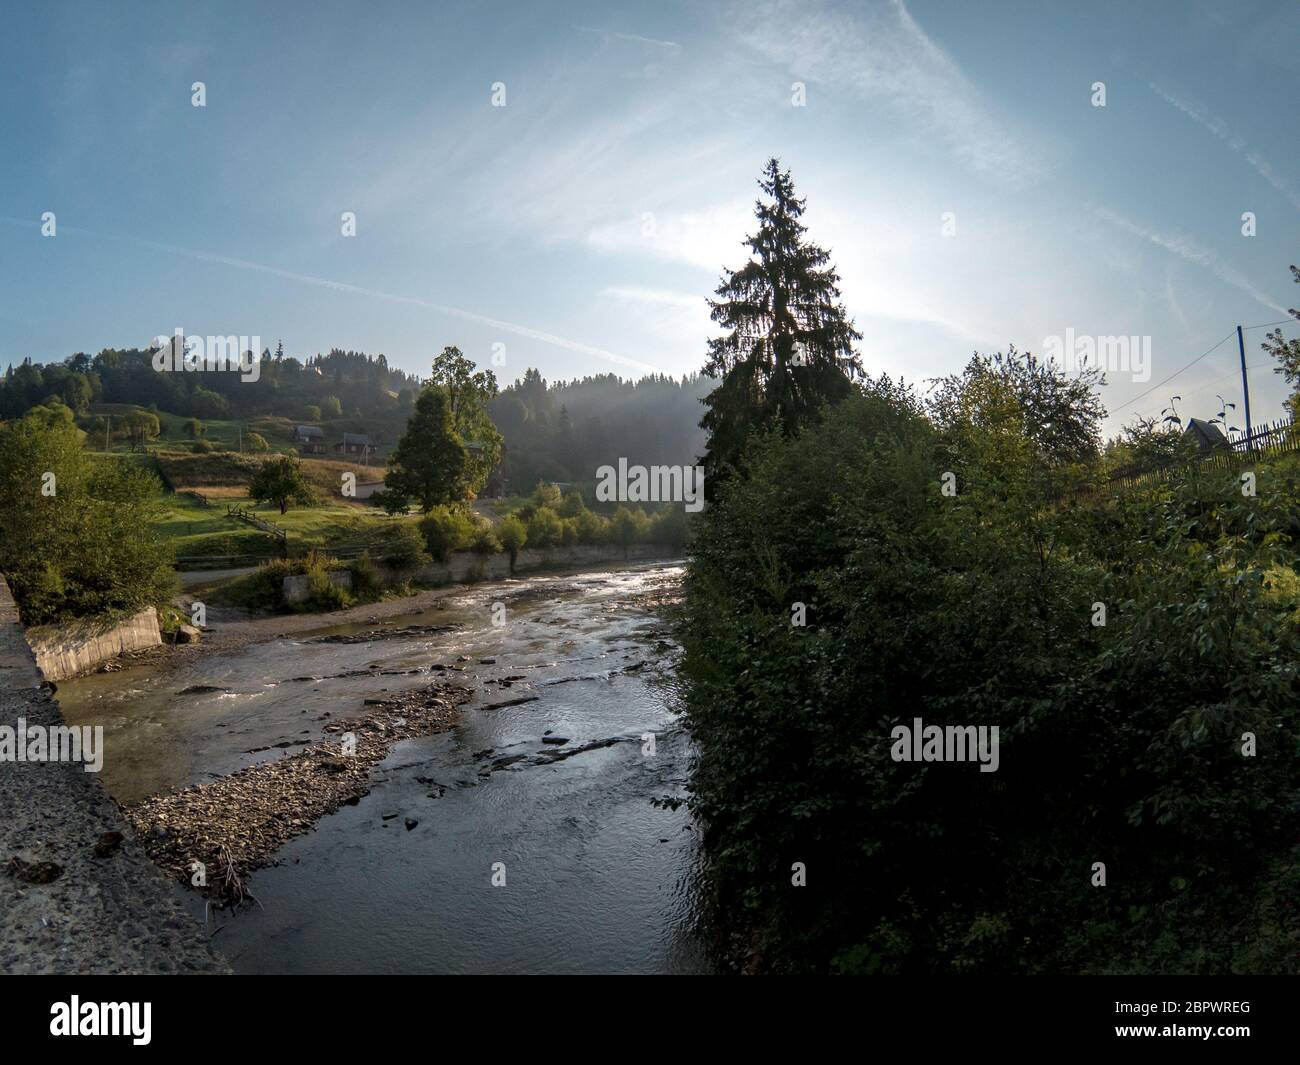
971, 193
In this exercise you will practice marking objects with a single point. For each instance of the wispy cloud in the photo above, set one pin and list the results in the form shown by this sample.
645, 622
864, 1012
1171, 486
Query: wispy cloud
1186, 248
630, 37
514, 328
1203, 117
880, 53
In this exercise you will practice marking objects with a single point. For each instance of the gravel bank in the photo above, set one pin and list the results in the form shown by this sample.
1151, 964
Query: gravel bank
77, 893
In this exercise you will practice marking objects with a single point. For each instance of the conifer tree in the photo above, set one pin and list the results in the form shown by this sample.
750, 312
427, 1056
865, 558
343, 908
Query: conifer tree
789, 345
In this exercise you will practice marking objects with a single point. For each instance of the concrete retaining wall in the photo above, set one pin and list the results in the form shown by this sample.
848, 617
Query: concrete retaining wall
63, 651
106, 912
464, 567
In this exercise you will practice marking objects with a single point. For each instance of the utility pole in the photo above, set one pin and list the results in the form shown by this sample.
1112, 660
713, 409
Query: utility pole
1245, 387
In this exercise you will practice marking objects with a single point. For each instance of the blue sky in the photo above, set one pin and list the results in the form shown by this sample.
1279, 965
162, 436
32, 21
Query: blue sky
583, 224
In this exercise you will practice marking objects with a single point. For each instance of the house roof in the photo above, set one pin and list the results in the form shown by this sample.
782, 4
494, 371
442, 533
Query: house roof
309, 430
357, 438
1207, 434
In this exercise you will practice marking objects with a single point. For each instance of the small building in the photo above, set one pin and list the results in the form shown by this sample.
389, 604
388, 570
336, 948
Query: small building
1206, 435
355, 444
365, 489
311, 437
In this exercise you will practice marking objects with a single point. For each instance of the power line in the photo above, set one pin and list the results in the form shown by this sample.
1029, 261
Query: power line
1161, 384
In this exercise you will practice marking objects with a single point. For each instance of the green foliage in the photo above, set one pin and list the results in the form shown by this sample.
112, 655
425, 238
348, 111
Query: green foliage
628, 526
264, 589
430, 465
281, 481
81, 544
1119, 743
546, 494
202, 447
468, 394
513, 534
544, 528
1286, 352
788, 348
484, 540
446, 529
367, 582
331, 407
403, 547
256, 442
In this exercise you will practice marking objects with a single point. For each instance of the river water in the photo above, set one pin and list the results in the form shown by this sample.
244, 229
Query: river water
598, 876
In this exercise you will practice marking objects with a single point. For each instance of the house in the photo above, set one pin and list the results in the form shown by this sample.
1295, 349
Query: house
355, 444
311, 436
365, 489
1206, 435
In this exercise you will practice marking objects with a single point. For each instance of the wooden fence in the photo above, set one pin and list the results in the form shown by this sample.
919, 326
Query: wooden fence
1275, 438
241, 513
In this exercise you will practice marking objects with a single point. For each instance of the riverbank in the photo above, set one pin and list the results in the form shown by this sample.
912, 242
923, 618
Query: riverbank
229, 632
212, 836
77, 894
566, 768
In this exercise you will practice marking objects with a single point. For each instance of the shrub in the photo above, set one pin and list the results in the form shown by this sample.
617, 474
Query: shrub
446, 529
90, 548
366, 580
202, 447
544, 527
1118, 743
485, 540
403, 548
513, 535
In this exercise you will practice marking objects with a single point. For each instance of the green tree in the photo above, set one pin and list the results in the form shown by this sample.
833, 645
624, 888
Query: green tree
76, 535
430, 464
331, 407
789, 343
544, 527
513, 535
469, 393
194, 429
281, 481
1287, 354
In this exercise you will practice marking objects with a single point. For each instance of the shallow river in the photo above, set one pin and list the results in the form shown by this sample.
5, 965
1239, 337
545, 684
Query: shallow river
597, 876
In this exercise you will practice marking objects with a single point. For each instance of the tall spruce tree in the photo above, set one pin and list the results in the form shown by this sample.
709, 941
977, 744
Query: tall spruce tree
789, 345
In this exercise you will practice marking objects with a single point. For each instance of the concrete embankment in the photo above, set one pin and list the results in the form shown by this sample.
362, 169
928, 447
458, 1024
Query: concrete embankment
466, 567
63, 651
77, 893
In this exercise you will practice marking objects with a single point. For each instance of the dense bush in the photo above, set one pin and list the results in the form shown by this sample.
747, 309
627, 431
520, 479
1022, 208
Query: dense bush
446, 529
1120, 744
76, 532
403, 548
544, 528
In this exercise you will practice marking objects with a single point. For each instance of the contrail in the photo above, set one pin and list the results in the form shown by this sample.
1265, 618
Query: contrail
344, 286
1185, 248
1220, 129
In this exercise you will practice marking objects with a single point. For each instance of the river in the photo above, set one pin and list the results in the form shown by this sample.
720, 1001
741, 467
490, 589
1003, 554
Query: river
597, 874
